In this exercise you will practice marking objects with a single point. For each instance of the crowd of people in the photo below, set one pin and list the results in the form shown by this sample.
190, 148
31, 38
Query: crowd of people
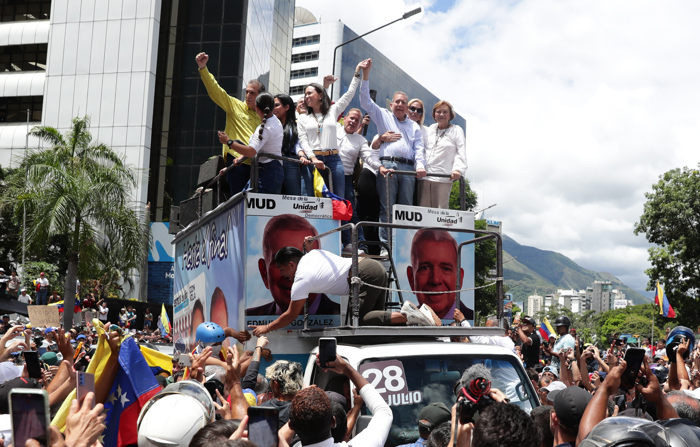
320, 134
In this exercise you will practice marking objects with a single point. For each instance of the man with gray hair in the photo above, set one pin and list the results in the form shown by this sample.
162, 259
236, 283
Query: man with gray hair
241, 121
403, 152
686, 406
286, 379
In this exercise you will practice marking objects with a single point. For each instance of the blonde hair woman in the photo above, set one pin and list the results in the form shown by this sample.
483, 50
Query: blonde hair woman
445, 153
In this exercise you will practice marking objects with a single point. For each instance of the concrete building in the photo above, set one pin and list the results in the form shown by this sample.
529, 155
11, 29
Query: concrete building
129, 65
312, 59
574, 300
535, 304
600, 296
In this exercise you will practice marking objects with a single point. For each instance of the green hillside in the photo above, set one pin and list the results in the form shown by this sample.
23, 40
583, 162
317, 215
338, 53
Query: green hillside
529, 270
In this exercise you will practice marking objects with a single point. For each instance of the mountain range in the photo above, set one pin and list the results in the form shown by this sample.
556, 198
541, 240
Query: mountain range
529, 271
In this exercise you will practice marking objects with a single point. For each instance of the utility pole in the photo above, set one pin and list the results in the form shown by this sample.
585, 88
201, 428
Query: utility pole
24, 207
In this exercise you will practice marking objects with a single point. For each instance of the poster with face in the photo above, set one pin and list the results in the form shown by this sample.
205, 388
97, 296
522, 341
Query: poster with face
208, 283
274, 222
426, 259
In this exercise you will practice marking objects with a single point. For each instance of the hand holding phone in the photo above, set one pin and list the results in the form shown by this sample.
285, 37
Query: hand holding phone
31, 359
29, 411
85, 383
327, 347
634, 358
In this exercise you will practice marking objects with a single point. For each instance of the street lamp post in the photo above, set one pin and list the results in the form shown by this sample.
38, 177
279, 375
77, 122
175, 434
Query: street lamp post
335, 51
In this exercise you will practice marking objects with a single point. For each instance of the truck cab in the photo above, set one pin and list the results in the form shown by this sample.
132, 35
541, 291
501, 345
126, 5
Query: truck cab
412, 374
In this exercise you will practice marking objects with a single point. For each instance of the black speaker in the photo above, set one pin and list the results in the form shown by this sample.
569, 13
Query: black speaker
174, 226
209, 170
189, 209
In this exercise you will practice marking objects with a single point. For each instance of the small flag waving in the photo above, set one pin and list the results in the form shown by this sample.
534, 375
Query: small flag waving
134, 386
342, 209
164, 322
661, 300
546, 329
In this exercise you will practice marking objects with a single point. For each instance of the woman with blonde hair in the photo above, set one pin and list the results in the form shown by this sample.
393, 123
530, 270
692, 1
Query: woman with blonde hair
445, 153
416, 111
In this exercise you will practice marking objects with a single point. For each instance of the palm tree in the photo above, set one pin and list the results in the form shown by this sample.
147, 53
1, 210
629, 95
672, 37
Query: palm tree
76, 188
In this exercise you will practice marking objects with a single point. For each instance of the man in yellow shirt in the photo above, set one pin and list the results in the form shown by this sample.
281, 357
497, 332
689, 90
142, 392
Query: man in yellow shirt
241, 121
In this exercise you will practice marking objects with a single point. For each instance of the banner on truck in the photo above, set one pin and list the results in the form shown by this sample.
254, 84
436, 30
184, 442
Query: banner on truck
209, 276
426, 258
274, 222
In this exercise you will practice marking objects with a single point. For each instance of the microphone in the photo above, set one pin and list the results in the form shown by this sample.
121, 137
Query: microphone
476, 382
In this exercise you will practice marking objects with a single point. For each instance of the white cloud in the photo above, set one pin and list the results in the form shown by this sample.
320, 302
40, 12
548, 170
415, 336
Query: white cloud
573, 108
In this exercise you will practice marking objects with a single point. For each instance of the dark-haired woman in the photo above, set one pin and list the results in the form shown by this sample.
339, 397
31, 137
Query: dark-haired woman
296, 176
317, 131
267, 139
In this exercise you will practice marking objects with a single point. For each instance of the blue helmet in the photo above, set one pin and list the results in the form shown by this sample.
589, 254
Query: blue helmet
674, 339
210, 333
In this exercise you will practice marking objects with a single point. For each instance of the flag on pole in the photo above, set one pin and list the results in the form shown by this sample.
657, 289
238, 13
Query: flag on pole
661, 300
164, 322
134, 386
546, 329
342, 209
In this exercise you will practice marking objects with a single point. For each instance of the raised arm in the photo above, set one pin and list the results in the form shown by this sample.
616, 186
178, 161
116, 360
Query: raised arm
365, 100
680, 362
216, 93
597, 408
342, 103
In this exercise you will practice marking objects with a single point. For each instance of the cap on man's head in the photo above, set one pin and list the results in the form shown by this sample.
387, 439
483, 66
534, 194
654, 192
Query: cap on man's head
2, 269
337, 397
529, 320
80, 337
50, 358
569, 405
551, 369
557, 385
435, 413
42, 273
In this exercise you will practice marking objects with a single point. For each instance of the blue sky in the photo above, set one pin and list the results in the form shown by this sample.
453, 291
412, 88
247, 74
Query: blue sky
573, 109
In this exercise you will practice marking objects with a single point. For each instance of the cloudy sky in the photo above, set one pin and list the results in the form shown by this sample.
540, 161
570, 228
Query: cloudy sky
573, 109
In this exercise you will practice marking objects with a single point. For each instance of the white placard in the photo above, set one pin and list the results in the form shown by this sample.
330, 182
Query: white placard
276, 204
432, 217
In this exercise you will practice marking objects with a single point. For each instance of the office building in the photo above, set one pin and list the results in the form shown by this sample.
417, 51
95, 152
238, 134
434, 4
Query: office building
535, 304
129, 65
600, 295
312, 58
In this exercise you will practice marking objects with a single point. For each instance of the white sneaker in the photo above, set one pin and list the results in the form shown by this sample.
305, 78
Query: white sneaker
414, 316
384, 253
430, 314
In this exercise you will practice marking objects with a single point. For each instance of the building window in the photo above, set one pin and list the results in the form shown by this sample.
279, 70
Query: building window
305, 73
23, 57
305, 57
14, 109
308, 40
20, 10
297, 90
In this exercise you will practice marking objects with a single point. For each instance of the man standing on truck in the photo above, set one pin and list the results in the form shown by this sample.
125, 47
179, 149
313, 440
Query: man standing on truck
531, 342
433, 269
241, 121
320, 271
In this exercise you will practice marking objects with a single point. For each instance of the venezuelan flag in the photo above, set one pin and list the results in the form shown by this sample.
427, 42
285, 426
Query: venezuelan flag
164, 322
661, 300
342, 209
546, 330
59, 304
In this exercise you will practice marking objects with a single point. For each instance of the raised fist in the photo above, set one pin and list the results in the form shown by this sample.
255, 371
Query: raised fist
202, 59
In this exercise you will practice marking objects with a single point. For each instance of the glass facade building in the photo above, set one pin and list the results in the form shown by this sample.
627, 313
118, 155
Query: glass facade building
245, 39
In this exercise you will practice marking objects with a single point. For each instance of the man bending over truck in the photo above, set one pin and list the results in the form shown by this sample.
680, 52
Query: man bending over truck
320, 271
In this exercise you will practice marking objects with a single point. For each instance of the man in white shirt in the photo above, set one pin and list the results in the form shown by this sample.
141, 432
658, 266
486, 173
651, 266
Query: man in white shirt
320, 271
350, 145
43, 289
102, 310
24, 298
310, 414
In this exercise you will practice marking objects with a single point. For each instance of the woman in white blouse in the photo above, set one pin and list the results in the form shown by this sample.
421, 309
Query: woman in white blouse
317, 131
445, 153
267, 139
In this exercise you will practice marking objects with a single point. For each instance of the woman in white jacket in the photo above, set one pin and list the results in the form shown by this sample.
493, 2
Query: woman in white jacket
445, 153
317, 131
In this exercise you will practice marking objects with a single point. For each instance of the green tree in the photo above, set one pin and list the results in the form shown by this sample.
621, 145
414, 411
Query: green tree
469, 196
77, 189
635, 320
671, 221
32, 271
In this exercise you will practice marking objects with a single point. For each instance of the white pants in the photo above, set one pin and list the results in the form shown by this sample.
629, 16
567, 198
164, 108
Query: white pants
434, 194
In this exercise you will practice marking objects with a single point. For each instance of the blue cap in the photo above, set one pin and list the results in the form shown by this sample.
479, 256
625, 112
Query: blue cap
49, 330
80, 337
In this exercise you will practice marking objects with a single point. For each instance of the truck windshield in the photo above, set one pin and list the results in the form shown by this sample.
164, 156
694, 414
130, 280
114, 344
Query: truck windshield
410, 383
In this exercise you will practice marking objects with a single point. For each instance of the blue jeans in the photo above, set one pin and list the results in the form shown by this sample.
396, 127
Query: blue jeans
338, 172
41, 297
298, 179
270, 177
236, 177
401, 189
345, 236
